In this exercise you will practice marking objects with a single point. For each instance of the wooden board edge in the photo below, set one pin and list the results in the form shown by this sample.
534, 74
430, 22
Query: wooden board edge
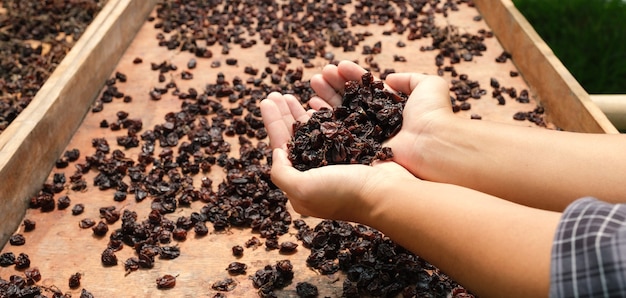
35, 140
566, 103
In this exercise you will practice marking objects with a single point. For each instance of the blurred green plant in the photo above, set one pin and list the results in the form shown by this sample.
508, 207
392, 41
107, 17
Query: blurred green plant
588, 36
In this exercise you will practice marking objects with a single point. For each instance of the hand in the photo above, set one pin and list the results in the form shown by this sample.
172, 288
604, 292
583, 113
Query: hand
344, 192
429, 103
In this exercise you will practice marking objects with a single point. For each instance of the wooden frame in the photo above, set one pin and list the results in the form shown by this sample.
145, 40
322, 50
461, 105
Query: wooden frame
39, 135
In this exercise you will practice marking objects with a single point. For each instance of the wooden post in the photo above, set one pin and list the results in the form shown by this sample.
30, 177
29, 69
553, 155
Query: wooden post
614, 107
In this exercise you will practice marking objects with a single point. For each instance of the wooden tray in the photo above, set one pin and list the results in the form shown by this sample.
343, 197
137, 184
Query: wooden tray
33, 142
59, 118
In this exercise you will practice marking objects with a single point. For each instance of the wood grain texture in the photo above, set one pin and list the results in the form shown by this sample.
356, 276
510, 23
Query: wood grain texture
37, 137
566, 102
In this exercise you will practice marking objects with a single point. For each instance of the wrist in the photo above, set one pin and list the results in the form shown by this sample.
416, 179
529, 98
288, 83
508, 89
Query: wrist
423, 150
379, 197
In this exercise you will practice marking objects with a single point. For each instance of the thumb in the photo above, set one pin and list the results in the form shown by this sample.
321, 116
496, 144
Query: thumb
283, 173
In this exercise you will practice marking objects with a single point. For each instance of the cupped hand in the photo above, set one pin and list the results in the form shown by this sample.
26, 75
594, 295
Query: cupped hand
428, 106
344, 192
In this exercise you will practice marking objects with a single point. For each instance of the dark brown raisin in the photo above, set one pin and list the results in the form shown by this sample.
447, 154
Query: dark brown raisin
236, 268
237, 250
17, 240
288, 247
108, 258
22, 261
7, 259
63, 202
74, 281
166, 281
100, 229
29, 225
86, 223
226, 285
306, 290
78, 209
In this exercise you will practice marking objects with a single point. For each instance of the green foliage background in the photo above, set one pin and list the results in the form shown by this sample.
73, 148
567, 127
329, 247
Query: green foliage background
588, 36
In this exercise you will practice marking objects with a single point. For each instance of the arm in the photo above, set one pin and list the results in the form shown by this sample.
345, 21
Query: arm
536, 167
489, 245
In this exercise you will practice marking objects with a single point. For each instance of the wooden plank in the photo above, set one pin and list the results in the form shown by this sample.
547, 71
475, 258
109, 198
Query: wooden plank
37, 137
566, 102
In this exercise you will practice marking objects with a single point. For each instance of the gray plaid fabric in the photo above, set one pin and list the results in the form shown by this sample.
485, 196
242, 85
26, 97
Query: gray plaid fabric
589, 251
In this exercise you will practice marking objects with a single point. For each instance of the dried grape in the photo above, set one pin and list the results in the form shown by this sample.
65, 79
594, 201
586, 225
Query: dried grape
352, 133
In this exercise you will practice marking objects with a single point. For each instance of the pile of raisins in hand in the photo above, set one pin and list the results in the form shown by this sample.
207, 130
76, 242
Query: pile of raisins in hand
352, 133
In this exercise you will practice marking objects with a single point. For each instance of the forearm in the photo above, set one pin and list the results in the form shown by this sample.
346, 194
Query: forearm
531, 166
490, 246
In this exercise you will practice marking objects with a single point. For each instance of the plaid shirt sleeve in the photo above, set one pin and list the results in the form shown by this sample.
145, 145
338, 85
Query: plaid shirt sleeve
589, 251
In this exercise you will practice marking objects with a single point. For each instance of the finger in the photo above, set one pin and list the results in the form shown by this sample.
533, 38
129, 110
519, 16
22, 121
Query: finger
283, 174
350, 71
331, 75
404, 82
407, 82
325, 90
345, 71
421, 87
295, 108
278, 130
281, 103
330, 84
317, 103
287, 178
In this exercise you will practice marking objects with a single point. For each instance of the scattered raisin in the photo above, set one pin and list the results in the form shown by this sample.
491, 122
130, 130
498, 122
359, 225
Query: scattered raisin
86, 223
288, 247
166, 281
108, 257
17, 240
74, 281
237, 268
29, 225
100, 229
22, 261
78, 209
33, 275
306, 290
226, 285
63, 202
237, 251
7, 259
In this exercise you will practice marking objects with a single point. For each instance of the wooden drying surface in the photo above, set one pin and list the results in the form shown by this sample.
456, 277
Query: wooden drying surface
59, 248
